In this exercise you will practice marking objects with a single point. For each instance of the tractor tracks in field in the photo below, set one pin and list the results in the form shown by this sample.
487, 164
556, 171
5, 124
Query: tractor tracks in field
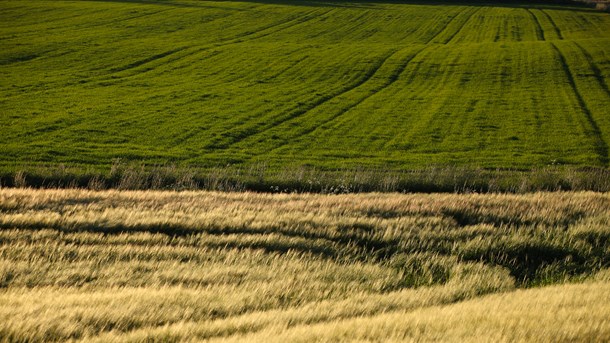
240, 38
449, 24
555, 27
452, 37
597, 73
147, 60
310, 107
394, 76
88, 25
389, 81
446, 26
284, 25
600, 145
539, 30
540, 33
145, 65
51, 21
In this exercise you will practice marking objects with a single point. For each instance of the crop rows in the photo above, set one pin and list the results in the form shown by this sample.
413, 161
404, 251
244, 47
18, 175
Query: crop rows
333, 85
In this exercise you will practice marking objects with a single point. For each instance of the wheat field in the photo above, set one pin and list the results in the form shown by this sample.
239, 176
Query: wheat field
134, 266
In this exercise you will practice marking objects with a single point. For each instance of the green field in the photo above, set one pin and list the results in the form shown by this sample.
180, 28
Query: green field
332, 85
149, 266
298, 98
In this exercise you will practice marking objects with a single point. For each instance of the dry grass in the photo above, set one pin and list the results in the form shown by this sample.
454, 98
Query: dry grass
181, 266
551, 314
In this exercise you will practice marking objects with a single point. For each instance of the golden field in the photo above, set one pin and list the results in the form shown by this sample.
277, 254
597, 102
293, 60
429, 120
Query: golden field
190, 266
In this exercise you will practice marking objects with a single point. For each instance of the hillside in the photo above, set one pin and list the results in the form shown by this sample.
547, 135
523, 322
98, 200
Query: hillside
325, 84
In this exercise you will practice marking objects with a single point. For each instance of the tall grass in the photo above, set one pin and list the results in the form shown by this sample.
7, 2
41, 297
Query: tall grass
261, 177
174, 266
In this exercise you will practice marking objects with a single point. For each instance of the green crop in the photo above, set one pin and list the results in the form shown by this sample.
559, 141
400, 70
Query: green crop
332, 85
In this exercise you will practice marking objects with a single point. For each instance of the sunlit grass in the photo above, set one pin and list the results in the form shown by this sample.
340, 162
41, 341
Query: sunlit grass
333, 85
137, 265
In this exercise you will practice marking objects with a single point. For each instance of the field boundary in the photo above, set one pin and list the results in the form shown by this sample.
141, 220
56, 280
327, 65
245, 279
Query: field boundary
261, 177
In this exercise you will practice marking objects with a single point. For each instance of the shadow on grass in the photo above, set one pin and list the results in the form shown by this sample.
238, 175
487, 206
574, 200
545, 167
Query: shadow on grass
369, 4
303, 179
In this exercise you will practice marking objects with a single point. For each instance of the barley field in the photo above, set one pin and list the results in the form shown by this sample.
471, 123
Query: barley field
328, 84
135, 266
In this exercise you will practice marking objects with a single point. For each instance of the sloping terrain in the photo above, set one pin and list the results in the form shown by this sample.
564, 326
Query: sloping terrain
328, 84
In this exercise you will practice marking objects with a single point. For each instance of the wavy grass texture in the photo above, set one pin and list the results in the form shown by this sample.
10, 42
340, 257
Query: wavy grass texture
187, 266
329, 84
